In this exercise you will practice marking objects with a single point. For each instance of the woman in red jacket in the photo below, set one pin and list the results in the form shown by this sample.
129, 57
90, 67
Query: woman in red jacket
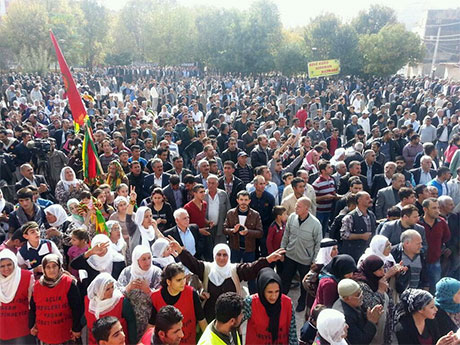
15, 291
105, 299
270, 315
174, 291
55, 307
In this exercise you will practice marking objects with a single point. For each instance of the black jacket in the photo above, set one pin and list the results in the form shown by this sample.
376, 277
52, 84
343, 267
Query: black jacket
238, 185
169, 194
402, 280
417, 172
407, 332
360, 330
376, 169
378, 183
199, 242
344, 183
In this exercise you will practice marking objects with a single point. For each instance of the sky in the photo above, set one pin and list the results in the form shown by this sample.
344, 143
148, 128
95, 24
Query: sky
299, 12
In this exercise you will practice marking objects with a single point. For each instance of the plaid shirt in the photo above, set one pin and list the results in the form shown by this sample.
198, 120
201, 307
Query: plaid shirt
347, 224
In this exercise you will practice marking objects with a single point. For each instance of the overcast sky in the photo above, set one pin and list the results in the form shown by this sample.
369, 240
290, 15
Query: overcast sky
299, 12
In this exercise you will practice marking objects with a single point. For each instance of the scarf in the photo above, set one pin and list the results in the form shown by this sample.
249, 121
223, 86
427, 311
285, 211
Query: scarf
324, 253
59, 212
23, 218
377, 247
218, 274
339, 266
103, 263
331, 326
412, 300
119, 199
2, 201
265, 277
147, 234
75, 217
158, 249
366, 271
44, 279
9, 285
67, 184
114, 182
446, 289
98, 305
136, 271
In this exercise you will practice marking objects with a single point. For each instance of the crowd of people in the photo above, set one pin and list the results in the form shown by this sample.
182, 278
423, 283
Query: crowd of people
220, 194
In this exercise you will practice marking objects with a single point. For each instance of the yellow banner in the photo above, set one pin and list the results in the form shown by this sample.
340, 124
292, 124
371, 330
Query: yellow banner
323, 68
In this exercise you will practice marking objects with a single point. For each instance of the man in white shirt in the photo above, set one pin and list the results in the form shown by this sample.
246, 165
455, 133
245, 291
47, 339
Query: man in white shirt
218, 205
365, 123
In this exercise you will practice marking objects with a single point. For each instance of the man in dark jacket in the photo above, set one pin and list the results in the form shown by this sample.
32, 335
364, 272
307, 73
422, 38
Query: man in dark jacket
361, 324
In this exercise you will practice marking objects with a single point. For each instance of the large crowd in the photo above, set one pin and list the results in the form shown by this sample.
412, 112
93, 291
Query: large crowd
220, 194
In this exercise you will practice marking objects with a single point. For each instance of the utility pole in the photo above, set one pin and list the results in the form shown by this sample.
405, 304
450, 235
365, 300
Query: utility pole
435, 53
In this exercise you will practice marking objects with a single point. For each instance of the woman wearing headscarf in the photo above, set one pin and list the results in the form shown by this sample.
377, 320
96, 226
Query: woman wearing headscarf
16, 287
69, 186
76, 219
174, 291
138, 281
415, 317
221, 275
374, 286
341, 266
55, 307
143, 229
270, 314
328, 250
332, 328
115, 175
161, 253
117, 242
58, 231
447, 299
105, 299
5, 209
100, 258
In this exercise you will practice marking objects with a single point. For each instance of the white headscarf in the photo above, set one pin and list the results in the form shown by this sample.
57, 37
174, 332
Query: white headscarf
59, 212
136, 271
218, 274
9, 285
118, 247
98, 305
147, 234
66, 183
119, 199
158, 248
377, 247
104, 263
324, 253
331, 325
339, 156
2, 201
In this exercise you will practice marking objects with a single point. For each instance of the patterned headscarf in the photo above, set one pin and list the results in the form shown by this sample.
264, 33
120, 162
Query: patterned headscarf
412, 300
446, 289
113, 182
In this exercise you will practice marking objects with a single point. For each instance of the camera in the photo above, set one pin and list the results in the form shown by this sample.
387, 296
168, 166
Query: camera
41, 147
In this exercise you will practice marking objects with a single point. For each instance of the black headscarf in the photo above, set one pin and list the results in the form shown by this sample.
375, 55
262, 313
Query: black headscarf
339, 266
265, 277
366, 272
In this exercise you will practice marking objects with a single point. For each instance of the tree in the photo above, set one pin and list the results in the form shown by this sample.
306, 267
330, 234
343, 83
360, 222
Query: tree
290, 58
389, 50
94, 32
327, 38
374, 19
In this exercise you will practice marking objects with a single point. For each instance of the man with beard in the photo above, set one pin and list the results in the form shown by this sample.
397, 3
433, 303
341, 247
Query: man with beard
229, 315
401, 168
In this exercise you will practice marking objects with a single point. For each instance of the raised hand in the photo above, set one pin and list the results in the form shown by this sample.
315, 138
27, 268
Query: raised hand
277, 255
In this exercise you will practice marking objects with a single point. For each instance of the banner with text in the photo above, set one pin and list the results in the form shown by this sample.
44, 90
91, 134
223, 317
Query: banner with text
323, 68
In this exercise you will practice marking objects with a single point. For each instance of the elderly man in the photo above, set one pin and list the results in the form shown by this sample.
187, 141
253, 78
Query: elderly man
218, 206
425, 173
409, 252
31, 179
158, 178
389, 196
188, 235
301, 240
354, 169
381, 181
203, 167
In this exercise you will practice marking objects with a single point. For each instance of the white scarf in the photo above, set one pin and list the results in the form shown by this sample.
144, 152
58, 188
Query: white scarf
2, 202
331, 326
66, 183
9, 285
377, 247
98, 305
147, 234
59, 212
158, 248
103, 263
136, 271
218, 274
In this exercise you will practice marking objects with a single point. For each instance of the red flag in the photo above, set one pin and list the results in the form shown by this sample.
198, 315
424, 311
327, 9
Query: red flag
75, 102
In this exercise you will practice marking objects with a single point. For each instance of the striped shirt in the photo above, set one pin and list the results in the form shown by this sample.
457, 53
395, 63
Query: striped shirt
323, 187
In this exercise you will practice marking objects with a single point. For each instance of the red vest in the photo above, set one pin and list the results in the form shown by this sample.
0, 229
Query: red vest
14, 316
186, 306
91, 319
257, 330
53, 313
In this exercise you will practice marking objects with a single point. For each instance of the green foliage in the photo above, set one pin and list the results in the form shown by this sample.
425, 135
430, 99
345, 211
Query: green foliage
290, 58
389, 50
34, 60
374, 19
